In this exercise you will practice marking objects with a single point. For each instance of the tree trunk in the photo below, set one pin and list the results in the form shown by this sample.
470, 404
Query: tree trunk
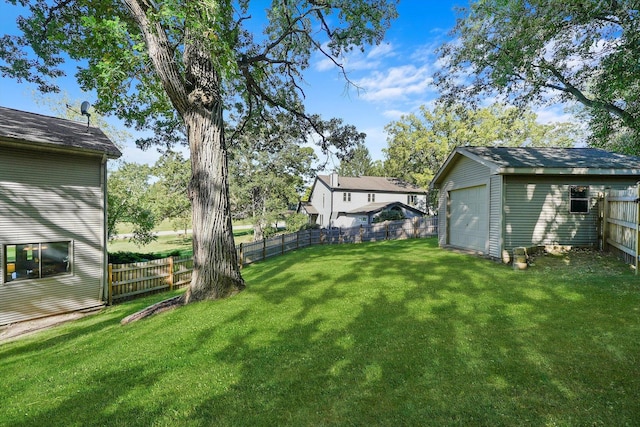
215, 261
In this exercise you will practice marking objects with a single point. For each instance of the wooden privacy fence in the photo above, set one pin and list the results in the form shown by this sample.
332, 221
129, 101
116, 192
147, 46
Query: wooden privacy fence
621, 223
140, 278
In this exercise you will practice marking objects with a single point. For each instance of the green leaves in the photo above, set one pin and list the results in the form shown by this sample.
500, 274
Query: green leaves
544, 52
418, 144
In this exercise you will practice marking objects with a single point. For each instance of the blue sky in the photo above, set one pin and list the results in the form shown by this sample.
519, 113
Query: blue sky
394, 78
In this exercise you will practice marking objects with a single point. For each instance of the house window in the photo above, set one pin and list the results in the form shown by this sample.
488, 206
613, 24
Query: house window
371, 197
36, 260
346, 197
412, 199
579, 199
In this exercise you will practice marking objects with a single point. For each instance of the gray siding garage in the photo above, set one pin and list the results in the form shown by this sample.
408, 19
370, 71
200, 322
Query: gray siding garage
493, 199
52, 215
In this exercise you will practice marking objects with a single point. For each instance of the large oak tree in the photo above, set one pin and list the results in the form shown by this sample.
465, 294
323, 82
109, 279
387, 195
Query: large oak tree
547, 51
192, 64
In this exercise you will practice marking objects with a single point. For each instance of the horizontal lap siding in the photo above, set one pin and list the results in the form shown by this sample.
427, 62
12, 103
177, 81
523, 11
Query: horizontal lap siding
46, 197
495, 217
536, 211
465, 173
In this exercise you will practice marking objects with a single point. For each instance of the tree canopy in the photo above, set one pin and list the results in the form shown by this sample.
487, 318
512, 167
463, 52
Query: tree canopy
544, 52
265, 183
418, 144
189, 66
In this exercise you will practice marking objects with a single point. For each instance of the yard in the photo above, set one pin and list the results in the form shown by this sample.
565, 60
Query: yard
390, 333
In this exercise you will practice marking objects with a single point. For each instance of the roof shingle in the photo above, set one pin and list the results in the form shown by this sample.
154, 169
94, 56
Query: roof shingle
34, 129
372, 183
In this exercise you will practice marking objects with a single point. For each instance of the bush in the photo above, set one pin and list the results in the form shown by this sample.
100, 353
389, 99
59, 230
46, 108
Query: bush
129, 257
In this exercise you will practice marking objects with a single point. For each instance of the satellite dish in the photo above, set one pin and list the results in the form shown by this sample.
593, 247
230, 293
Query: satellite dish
84, 110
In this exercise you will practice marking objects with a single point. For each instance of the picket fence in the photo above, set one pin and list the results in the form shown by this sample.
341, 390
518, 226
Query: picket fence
128, 281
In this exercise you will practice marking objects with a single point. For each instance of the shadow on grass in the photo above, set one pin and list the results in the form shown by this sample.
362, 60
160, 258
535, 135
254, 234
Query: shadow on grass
398, 333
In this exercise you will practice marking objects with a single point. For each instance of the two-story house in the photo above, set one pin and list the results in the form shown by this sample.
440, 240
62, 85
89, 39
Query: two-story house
338, 201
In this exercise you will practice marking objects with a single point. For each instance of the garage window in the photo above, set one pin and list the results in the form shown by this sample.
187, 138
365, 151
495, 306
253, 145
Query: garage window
579, 198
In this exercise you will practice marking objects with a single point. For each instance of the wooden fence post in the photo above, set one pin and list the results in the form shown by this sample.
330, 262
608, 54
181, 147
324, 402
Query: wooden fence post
264, 248
241, 257
171, 278
361, 233
386, 231
637, 225
605, 218
282, 245
110, 284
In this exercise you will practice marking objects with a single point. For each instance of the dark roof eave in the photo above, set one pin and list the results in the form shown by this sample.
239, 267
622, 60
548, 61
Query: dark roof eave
565, 171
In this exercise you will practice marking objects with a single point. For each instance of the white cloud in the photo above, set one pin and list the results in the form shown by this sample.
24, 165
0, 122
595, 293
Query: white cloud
396, 83
394, 114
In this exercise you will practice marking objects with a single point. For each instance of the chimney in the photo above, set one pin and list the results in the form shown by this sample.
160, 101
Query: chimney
334, 180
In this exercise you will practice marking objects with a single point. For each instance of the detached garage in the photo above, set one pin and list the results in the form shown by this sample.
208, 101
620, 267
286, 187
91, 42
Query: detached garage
493, 199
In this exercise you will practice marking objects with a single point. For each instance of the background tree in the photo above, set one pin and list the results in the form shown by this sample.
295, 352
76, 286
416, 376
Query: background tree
418, 144
129, 201
169, 192
552, 51
358, 163
175, 64
266, 183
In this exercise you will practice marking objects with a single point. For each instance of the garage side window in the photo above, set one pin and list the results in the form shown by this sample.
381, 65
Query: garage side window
36, 260
579, 198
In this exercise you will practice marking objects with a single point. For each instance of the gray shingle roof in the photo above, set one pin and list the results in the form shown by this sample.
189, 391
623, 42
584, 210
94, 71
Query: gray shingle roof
525, 157
21, 127
372, 183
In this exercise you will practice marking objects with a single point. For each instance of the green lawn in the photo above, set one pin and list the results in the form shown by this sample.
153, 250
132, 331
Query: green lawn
168, 244
392, 333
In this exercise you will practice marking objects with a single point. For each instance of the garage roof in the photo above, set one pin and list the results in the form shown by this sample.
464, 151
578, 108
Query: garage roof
547, 161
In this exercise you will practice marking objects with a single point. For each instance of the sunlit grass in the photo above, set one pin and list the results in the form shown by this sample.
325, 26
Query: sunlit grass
392, 333
167, 244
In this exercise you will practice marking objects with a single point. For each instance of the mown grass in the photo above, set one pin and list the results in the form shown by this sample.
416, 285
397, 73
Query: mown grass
164, 245
392, 333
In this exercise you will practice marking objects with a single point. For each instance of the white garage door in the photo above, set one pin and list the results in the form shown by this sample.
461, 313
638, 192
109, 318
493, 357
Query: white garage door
468, 218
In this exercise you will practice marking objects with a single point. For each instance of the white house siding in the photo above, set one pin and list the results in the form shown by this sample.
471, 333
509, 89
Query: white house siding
48, 197
465, 173
321, 197
536, 210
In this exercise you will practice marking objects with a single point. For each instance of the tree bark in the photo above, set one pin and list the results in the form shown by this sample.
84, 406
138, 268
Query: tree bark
215, 262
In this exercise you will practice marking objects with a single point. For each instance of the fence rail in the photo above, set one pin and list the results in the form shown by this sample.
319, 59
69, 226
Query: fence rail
621, 223
141, 278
